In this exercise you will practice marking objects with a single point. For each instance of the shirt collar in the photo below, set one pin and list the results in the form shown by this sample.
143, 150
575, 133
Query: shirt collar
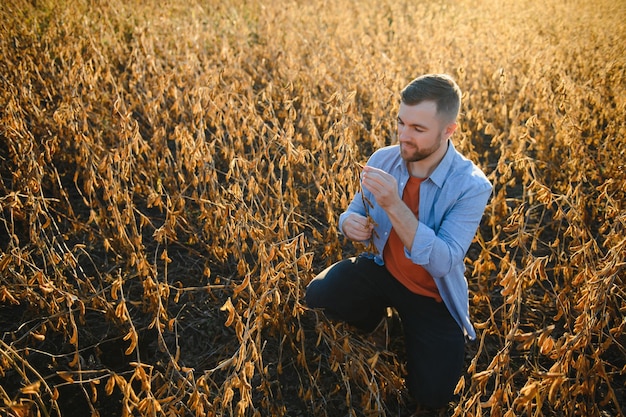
441, 172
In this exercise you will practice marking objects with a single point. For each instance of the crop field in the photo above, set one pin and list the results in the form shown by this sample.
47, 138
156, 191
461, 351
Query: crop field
172, 172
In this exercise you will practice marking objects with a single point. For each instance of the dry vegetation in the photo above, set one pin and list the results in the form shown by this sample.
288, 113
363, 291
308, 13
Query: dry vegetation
172, 172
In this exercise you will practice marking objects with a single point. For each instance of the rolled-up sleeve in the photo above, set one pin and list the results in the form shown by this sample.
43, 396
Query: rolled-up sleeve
439, 248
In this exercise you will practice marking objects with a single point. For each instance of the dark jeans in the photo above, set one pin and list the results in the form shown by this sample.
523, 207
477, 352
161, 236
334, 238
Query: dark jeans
358, 291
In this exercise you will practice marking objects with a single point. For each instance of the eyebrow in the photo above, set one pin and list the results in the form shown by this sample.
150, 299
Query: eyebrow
414, 124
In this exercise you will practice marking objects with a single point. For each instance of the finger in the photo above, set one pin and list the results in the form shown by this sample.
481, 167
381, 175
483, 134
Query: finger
357, 219
357, 233
360, 222
373, 186
371, 170
378, 177
361, 235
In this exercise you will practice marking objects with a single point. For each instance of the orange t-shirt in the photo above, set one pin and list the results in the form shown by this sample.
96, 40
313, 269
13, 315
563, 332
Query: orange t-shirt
411, 275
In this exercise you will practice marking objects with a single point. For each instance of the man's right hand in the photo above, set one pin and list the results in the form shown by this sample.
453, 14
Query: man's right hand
357, 227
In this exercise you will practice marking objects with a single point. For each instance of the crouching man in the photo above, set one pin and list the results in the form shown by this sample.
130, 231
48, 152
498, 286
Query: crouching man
422, 203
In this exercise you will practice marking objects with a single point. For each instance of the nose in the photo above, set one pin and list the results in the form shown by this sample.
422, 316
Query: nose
401, 130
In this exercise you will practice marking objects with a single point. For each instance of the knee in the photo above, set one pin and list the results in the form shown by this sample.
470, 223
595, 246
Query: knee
318, 293
313, 295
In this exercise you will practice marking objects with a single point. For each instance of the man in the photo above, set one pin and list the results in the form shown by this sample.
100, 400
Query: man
421, 204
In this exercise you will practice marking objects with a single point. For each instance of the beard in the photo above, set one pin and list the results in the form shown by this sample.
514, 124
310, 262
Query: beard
411, 153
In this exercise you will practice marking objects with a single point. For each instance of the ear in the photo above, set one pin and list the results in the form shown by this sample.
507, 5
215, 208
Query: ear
449, 130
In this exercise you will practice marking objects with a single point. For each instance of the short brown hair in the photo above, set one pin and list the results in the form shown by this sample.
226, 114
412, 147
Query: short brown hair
440, 88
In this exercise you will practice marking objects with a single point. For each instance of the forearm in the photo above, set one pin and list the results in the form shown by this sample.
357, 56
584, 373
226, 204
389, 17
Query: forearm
404, 223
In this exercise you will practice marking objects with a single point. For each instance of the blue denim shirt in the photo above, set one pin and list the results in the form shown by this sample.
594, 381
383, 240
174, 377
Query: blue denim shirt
452, 203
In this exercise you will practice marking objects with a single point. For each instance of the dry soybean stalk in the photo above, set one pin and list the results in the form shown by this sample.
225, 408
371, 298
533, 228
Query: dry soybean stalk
367, 204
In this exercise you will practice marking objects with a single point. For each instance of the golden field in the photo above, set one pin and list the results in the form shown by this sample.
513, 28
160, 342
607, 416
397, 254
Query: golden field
171, 174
